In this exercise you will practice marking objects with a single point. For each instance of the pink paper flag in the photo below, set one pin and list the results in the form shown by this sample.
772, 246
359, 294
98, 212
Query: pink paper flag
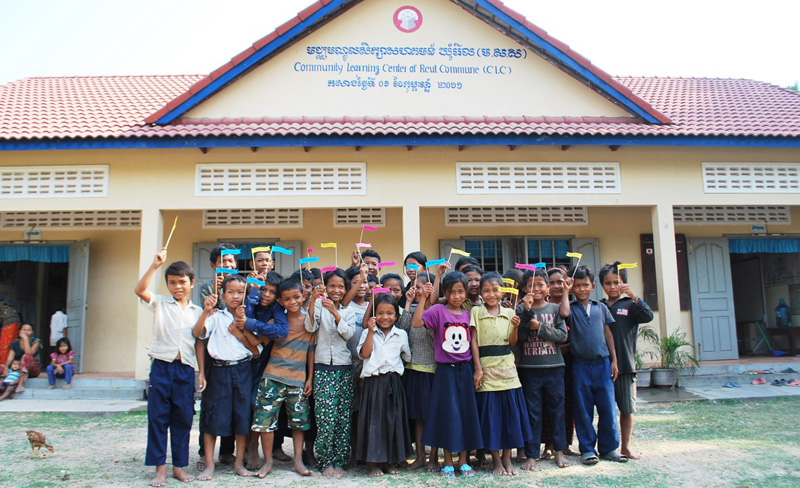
369, 227
310, 250
375, 291
361, 245
386, 263
526, 266
328, 269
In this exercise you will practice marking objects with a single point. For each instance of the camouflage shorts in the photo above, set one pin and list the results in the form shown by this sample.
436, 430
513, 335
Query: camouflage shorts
271, 395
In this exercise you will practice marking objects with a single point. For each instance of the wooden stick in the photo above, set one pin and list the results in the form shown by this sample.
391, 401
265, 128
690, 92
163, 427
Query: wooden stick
174, 226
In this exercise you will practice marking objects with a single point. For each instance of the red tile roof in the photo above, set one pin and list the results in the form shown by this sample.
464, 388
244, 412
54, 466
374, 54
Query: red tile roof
115, 107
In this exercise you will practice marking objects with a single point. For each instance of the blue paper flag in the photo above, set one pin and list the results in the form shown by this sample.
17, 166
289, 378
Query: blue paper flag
226, 271
234, 252
309, 260
256, 282
415, 267
281, 250
540, 265
435, 262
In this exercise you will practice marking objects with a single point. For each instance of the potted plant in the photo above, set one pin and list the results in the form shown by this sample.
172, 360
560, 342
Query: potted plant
648, 335
673, 359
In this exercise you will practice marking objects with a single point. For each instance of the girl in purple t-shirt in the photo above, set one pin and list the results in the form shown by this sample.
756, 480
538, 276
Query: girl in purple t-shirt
452, 421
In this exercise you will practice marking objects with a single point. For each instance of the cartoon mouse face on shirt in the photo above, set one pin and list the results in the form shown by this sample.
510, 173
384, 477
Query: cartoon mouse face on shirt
456, 338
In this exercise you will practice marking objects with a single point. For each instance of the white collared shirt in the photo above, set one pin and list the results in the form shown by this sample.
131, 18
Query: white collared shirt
222, 345
172, 329
388, 352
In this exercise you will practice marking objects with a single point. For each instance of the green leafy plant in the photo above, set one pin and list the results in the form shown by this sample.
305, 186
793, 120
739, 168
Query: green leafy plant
673, 356
648, 335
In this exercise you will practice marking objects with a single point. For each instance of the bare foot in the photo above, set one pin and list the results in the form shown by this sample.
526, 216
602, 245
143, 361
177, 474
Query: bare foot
266, 468
182, 475
51, 387
201, 464
240, 470
570, 452
67, 386
529, 465
227, 459
498, 470
330, 472
252, 460
279, 455
389, 469
510, 469
339, 472
20, 389
434, 467
561, 460
418, 463
374, 470
160, 479
300, 468
207, 474
627, 452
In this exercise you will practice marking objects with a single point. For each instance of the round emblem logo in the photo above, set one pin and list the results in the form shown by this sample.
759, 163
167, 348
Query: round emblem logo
407, 19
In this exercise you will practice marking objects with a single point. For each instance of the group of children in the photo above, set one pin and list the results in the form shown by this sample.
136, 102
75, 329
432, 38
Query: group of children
365, 366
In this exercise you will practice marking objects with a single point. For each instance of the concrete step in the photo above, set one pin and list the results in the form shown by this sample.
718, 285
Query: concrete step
689, 381
41, 382
735, 369
81, 393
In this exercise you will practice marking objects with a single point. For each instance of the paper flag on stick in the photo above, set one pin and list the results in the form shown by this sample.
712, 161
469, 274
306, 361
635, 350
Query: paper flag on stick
256, 282
226, 271
459, 252
628, 266
369, 227
386, 263
435, 262
509, 281
513, 291
309, 260
328, 244
525, 266
575, 255
415, 267
281, 250
310, 250
232, 252
375, 291
328, 269
257, 250
174, 226
363, 245
540, 265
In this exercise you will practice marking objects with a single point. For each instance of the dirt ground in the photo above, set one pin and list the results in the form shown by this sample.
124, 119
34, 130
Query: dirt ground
703, 444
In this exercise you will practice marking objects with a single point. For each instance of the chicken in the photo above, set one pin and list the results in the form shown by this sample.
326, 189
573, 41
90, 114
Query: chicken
37, 440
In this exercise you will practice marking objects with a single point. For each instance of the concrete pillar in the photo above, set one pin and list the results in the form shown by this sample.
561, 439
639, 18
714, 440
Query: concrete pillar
669, 300
411, 229
150, 242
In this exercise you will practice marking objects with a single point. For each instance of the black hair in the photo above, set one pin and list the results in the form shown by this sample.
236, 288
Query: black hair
63, 340
388, 298
472, 269
514, 274
290, 284
337, 272
60, 305
232, 277
428, 276
178, 268
467, 260
530, 274
370, 253
352, 272
582, 272
612, 268
216, 251
306, 274
491, 276
391, 276
417, 256
316, 273
451, 279
273, 279
373, 279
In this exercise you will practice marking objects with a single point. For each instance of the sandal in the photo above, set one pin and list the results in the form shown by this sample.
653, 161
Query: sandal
466, 471
615, 456
793, 382
778, 383
448, 472
759, 381
731, 384
788, 371
589, 458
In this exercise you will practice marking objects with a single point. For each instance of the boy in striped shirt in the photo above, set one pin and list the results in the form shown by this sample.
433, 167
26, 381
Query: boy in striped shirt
287, 380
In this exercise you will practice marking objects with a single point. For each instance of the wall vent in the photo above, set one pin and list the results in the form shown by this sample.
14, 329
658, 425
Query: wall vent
266, 179
516, 216
533, 178
732, 215
53, 181
106, 219
356, 217
253, 217
751, 177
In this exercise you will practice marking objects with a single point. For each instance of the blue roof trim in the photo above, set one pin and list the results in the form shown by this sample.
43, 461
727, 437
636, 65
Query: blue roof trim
406, 140
568, 61
251, 60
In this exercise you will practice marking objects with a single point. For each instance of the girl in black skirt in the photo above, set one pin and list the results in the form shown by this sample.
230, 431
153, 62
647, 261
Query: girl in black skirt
384, 437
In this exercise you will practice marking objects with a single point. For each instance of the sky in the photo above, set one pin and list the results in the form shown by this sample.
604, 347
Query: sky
686, 38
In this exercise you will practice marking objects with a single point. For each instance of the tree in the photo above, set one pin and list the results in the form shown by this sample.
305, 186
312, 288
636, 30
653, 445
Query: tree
795, 87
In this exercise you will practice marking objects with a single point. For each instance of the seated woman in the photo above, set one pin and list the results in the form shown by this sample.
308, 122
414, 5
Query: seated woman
24, 349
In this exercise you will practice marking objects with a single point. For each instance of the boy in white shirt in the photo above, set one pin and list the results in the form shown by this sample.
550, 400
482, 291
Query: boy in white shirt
170, 404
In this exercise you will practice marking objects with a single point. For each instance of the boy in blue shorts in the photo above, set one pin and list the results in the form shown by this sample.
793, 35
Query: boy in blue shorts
170, 395
594, 371
230, 380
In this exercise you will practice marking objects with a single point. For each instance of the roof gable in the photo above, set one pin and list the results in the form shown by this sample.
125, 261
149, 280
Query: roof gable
551, 81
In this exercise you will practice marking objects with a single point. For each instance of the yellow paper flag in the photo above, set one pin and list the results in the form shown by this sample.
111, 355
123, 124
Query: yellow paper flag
576, 255
509, 281
328, 244
513, 291
459, 252
628, 266
260, 249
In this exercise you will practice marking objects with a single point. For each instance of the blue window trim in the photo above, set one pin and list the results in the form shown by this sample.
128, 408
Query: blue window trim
401, 140
288, 36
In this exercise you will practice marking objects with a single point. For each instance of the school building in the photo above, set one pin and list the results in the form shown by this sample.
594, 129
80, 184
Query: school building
443, 123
